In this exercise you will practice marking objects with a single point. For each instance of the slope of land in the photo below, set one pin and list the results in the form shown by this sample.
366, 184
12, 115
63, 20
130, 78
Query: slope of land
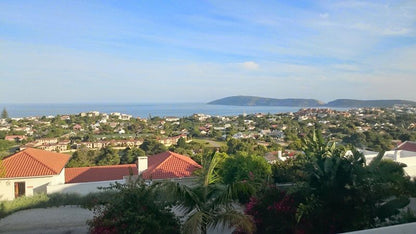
368, 103
260, 101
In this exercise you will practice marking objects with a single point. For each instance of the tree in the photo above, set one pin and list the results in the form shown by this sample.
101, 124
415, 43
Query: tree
245, 167
209, 203
336, 180
129, 155
4, 114
151, 147
83, 158
107, 156
133, 209
181, 143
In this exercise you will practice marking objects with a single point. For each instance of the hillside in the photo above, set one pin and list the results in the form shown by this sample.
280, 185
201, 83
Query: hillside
368, 103
343, 103
260, 101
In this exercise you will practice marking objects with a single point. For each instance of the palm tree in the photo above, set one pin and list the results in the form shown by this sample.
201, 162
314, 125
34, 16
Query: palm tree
209, 203
337, 180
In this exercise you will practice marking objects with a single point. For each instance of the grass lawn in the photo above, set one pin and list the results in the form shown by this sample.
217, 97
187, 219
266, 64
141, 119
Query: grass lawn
210, 142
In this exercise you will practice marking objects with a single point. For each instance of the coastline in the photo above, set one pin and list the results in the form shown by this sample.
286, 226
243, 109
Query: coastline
142, 110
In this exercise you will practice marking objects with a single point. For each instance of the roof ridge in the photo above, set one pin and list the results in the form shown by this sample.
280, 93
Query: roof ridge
24, 151
118, 165
176, 155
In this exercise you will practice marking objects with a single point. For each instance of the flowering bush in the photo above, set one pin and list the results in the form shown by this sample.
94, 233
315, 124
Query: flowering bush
273, 212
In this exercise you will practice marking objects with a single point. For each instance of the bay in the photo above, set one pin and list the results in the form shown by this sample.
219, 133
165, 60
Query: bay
142, 110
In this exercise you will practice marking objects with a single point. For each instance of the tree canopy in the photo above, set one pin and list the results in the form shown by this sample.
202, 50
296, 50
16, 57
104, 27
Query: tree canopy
4, 114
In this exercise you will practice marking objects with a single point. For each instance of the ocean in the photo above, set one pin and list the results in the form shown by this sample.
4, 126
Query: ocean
141, 110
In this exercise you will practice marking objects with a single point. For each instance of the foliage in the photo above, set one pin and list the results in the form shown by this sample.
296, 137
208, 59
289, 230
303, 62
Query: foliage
338, 181
133, 209
129, 155
83, 158
273, 211
6, 145
151, 147
289, 171
208, 203
107, 156
181, 142
4, 114
328, 179
243, 166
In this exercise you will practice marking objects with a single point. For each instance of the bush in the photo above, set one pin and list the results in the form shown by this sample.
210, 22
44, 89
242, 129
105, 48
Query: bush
133, 209
274, 211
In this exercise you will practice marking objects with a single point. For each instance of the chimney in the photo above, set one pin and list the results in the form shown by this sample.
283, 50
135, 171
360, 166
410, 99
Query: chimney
279, 154
141, 164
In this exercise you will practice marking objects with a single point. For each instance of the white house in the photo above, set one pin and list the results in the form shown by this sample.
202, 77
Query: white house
30, 171
34, 171
404, 153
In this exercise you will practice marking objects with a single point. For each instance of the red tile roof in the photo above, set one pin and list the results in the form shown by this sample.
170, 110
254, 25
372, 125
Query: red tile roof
98, 173
407, 145
169, 165
165, 165
34, 162
13, 137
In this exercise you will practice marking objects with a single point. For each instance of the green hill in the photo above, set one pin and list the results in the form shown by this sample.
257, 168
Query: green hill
368, 103
260, 101
345, 103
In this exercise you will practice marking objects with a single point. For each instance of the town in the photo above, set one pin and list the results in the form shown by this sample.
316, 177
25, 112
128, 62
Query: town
370, 129
252, 158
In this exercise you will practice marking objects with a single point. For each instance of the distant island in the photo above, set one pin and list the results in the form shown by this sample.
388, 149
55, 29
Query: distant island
261, 101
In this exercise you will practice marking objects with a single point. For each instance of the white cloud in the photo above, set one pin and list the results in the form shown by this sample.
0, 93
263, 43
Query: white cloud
324, 15
250, 65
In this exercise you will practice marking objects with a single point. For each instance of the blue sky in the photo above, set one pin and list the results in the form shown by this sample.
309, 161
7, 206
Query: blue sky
197, 51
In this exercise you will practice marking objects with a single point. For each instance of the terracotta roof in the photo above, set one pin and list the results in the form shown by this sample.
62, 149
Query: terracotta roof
169, 165
34, 162
165, 165
98, 173
407, 145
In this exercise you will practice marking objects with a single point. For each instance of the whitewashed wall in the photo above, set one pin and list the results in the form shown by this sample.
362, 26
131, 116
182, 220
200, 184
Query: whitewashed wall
80, 188
34, 185
408, 228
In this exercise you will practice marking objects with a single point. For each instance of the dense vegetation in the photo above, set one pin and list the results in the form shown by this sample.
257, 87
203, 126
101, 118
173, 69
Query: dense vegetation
324, 190
318, 179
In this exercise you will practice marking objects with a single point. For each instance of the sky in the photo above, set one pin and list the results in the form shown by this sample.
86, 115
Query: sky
199, 51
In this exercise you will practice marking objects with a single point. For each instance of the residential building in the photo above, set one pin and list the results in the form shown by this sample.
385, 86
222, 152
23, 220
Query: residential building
162, 166
15, 138
30, 171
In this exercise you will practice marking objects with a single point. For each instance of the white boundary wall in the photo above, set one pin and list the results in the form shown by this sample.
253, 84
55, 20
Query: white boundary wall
407, 228
80, 188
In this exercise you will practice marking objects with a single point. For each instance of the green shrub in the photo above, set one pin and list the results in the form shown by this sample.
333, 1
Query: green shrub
132, 209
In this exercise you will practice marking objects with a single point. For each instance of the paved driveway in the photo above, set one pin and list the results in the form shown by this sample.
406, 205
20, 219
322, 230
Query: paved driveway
56, 220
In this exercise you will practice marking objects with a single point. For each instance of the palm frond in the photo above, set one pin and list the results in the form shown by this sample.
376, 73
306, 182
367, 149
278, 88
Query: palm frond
185, 197
195, 223
233, 218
